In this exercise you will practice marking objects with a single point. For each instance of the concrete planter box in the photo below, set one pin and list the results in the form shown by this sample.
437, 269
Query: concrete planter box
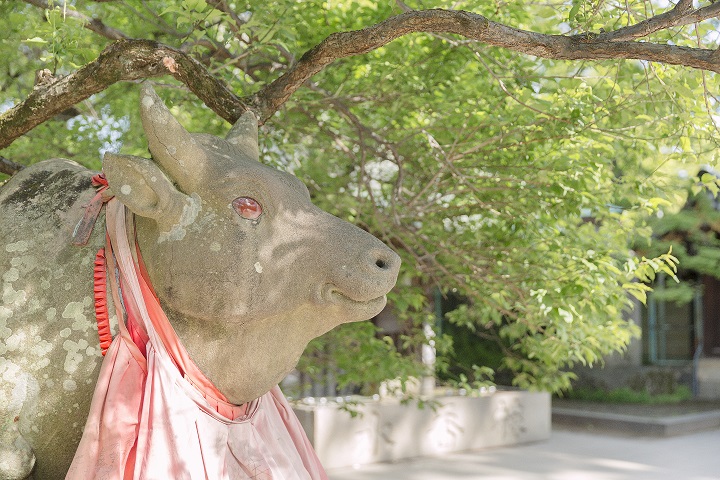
708, 376
388, 431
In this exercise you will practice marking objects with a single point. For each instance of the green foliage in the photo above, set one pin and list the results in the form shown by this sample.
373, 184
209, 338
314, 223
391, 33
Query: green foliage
692, 232
515, 181
628, 395
646, 270
358, 357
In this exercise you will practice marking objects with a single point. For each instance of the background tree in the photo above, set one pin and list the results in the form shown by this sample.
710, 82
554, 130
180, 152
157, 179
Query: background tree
475, 143
692, 230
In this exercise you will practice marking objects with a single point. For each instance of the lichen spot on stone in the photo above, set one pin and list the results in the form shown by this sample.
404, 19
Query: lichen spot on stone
171, 150
148, 101
153, 179
11, 275
126, 189
5, 332
14, 341
40, 348
191, 209
76, 311
258, 267
74, 355
20, 246
69, 385
12, 297
215, 247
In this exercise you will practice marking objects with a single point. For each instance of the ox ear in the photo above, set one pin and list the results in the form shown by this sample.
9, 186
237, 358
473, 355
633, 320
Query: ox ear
141, 186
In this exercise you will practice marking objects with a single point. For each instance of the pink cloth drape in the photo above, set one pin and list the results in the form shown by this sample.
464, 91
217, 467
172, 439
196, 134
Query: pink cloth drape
150, 419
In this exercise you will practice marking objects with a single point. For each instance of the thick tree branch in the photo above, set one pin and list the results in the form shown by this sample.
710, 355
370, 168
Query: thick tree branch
122, 61
8, 167
475, 27
682, 14
137, 59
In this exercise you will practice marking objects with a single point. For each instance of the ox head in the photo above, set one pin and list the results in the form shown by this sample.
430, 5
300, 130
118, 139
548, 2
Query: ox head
247, 269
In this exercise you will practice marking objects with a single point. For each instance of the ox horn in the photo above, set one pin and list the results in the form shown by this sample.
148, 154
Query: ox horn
171, 146
244, 134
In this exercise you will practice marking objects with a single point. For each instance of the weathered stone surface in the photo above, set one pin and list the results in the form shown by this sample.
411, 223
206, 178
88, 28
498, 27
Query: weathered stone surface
49, 353
244, 295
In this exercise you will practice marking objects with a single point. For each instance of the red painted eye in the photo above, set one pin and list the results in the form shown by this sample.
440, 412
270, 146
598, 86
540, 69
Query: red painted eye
247, 207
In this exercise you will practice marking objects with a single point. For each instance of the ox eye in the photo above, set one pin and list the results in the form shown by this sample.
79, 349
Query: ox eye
247, 208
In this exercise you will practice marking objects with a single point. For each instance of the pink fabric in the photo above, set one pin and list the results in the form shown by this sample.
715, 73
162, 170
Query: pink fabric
149, 421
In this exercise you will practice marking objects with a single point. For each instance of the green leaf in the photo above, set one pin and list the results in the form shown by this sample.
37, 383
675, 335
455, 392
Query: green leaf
685, 144
574, 10
36, 40
195, 5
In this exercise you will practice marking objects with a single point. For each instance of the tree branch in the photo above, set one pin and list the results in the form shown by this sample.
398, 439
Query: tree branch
92, 24
136, 59
223, 6
121, 61
475, 27
8, 167
682, 14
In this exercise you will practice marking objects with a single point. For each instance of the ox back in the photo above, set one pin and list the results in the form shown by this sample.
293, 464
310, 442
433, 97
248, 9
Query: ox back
49, 351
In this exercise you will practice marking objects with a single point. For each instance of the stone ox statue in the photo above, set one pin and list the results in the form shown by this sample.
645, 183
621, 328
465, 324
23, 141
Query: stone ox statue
247, 269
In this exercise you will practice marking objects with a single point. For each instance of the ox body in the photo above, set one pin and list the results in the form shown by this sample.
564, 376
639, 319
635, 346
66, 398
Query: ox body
247, 269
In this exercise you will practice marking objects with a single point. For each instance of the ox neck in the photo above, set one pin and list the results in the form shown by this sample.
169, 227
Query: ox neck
136, 287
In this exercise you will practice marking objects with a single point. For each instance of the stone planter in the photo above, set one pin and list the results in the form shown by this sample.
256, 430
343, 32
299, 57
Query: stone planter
388, 431
708, 377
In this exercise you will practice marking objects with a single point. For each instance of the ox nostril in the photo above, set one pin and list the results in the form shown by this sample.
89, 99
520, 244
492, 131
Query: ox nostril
382, 262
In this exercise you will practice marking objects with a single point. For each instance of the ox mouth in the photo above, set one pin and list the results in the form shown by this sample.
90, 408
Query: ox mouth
332, 294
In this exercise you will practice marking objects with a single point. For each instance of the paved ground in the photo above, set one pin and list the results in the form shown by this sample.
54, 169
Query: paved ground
568, 455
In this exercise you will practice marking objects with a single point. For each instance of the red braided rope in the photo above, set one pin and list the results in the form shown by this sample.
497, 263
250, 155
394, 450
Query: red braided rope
101, 311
